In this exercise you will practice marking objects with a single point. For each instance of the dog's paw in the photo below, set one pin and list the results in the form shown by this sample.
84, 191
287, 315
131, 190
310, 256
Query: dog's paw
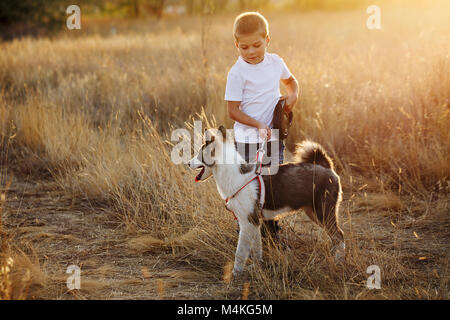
237, 277
237, 273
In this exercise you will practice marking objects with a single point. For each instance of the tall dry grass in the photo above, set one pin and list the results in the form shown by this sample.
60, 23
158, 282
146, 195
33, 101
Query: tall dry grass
378, 100
21, 276
96, 114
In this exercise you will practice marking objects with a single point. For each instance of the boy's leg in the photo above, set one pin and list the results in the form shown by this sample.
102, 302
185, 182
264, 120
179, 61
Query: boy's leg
248, 152
281, 153
244, 150
271, 227
274, 156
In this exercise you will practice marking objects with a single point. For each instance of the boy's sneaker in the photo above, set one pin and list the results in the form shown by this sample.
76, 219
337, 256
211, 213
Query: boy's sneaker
270, 228
270, 231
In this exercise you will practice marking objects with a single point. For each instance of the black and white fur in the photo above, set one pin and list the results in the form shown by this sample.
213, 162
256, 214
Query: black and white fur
310, 184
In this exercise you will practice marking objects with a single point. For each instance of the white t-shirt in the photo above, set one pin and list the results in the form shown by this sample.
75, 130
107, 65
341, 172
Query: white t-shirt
257, 86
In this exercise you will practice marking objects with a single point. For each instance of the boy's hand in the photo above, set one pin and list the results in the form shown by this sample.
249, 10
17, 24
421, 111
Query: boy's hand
291, 100
264, 131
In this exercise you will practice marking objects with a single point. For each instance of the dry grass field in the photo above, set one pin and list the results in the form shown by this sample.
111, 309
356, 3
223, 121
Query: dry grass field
87, 179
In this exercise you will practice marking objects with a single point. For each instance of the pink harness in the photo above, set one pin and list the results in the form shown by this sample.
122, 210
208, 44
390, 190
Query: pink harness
258, 177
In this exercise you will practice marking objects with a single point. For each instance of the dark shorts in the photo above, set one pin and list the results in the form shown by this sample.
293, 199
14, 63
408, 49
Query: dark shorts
272, 153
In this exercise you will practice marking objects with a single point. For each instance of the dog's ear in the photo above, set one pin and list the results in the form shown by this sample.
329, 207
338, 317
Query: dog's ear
223, 131
209, 135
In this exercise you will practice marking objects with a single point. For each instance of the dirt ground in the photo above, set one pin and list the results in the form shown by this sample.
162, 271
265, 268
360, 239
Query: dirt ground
46, 224
56, 232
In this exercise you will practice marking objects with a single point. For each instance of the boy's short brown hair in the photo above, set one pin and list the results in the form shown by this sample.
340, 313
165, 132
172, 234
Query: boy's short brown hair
250, 22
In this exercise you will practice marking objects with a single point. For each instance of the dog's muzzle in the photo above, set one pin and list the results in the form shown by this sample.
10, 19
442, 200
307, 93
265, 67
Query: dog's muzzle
196, 164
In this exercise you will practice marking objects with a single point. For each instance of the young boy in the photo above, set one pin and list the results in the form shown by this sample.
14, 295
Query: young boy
253, 89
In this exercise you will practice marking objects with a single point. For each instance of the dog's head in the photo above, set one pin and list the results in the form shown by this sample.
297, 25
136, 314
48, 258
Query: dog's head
209, 153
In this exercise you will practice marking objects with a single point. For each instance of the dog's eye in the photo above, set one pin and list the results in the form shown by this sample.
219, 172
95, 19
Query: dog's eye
208, 153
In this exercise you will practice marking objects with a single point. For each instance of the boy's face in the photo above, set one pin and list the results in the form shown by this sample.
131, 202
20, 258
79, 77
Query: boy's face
252, 47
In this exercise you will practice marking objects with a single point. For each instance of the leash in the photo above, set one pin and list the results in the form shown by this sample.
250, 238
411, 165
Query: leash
257, 176
258, 152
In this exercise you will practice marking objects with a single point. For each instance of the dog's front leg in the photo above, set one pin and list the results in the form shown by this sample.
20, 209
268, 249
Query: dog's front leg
247, 236
257, 246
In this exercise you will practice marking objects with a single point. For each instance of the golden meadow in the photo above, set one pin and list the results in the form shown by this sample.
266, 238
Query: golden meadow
90, 113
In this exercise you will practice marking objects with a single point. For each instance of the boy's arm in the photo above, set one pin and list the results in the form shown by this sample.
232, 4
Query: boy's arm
237, 115
292, 93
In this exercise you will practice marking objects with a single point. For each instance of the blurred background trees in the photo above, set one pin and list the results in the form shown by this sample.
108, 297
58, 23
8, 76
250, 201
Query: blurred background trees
30, 17
38, 17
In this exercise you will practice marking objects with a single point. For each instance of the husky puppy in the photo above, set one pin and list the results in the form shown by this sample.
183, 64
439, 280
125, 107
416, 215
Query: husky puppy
310, 184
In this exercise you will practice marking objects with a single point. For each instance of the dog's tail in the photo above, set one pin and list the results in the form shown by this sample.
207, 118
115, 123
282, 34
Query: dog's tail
312, 152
